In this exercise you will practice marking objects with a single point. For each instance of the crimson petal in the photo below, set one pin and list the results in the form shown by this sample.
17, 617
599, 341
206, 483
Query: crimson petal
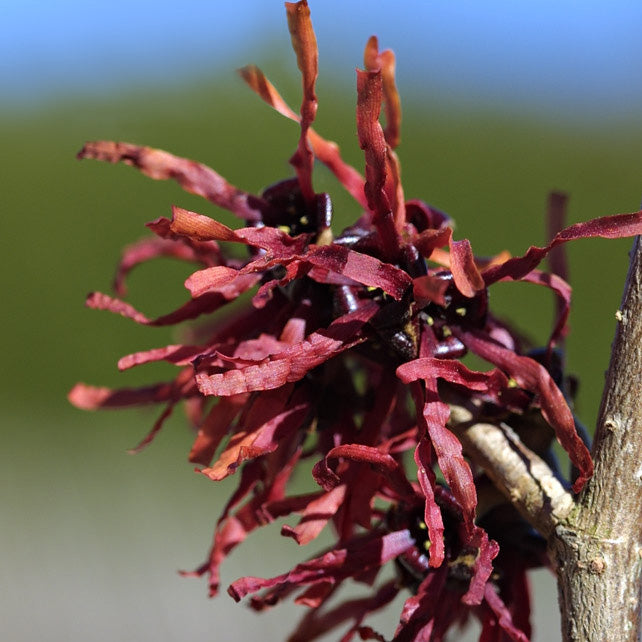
294, 362
304, 43
373, 142
381, 461
467, 277
532, 376
482, 568
503, 615
277, 422
193, 177
316, 624
563, 291
214, 428
361, 268
608, 227
179, 355
208, 302
432, 513
334, 566
315, 516
326, 151
151, 248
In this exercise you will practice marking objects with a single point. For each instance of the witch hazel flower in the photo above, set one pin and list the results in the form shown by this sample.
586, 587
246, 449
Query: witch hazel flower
346, 355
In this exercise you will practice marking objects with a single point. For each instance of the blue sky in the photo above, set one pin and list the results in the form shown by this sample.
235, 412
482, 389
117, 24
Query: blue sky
575, 57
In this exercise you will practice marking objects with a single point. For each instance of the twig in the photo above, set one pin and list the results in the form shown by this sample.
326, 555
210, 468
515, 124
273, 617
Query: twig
519, 473
599, 551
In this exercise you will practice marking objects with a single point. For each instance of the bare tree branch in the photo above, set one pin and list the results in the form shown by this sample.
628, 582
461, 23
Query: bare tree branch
521, 475
599, 551
595, 541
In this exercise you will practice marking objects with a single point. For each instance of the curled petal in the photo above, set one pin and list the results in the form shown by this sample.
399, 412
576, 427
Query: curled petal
294, 362
193, 177
203, 228
214, 428
451, 460
200, 228
251, 444
100, 301
179, 355
293, 331
453, 372
305, 46
380, 461
429, 289
503, 615
456, 471
271, 474
532, 376
289, 505
429, 240
391, 98
326, 151
422, 610
209, 252
361, 268
257, 81
315, 624
204, 304
482, 568
326, 262
432, 513
224, 281
152, 248
334, 566
372, 141
315, 516
608, 227
271, 417
563, 291
94, 397
467, 277
385, 61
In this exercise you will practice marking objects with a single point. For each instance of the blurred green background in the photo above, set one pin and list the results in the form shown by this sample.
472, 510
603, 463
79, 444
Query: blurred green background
92, 537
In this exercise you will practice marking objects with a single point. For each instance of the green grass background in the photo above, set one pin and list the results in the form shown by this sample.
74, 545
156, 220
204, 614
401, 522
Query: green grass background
91, 537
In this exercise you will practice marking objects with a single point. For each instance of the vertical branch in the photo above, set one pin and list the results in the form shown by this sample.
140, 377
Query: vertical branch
599, 551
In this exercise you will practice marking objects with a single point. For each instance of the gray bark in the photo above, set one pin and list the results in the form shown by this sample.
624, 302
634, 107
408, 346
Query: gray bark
595, 540
598, 551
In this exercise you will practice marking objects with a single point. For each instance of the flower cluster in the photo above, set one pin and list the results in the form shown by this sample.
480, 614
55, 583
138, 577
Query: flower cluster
346, 356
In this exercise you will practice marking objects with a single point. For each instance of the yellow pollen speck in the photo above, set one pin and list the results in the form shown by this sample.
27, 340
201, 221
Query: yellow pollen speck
512, 383
619, 316
422, 526
284, 228
431, 321
427, 544
325, 238
461, 312
371, 288
304, 220
446, 331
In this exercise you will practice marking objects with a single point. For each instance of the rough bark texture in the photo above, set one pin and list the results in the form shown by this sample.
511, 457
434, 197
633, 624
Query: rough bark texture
595, 541
523, 477
598, 551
